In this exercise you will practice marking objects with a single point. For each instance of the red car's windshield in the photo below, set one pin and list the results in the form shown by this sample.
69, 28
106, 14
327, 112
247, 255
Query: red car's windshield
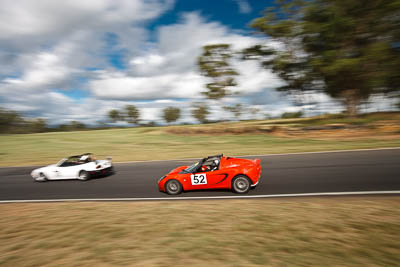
193, 167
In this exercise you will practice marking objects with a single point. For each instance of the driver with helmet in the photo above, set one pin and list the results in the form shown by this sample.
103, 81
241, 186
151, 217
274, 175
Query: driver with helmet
212, 166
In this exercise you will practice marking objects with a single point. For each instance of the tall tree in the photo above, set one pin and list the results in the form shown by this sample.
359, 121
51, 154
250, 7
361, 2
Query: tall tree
10, 121
236, 110
77, 125
114, 115
200, 112
254, 111
38, 125
214, 63
171, 114
347, 49
132, 114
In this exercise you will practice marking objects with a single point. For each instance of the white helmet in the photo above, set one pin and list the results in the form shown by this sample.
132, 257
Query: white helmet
84, 157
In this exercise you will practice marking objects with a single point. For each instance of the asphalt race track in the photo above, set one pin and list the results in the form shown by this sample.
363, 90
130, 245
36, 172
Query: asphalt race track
373, 170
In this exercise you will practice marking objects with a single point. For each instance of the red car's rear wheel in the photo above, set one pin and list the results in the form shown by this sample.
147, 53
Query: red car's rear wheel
241, 184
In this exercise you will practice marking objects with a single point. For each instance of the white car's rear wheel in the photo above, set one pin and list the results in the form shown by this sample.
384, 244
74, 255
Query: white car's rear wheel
84, 175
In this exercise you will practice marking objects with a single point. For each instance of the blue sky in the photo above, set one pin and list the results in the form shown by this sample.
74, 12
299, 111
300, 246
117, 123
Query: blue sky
227, 12
79, 59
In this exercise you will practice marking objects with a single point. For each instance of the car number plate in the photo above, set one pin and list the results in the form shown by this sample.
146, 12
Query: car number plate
197, 179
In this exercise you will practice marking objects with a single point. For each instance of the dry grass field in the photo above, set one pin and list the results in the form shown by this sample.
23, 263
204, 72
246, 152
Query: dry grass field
346, 231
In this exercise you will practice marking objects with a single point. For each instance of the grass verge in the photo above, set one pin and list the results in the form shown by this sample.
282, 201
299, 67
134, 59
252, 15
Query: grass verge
235, 139
300, 232
137, 144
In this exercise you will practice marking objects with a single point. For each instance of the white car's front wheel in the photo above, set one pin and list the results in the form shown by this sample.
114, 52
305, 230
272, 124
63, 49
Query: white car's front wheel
84, 175
42, 178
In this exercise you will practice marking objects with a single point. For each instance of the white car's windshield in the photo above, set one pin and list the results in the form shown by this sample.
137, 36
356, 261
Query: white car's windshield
61, 162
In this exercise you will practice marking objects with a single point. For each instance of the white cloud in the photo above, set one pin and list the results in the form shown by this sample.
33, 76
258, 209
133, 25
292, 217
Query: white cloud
47, 45
169, 69
120, 86
244, 6
165, 70
48, 17
253, 78
46, 69
31, 27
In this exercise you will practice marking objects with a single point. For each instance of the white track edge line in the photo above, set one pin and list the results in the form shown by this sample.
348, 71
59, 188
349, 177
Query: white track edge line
208, 197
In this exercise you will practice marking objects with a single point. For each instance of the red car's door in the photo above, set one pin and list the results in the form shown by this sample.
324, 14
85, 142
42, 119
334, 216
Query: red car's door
218, 179
208, 180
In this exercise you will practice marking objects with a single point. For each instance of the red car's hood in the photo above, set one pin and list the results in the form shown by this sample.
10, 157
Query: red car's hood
177, 170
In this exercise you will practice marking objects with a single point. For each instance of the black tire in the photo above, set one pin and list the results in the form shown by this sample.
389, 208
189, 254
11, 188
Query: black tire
173, 187
241, 184
42, 178
84, 176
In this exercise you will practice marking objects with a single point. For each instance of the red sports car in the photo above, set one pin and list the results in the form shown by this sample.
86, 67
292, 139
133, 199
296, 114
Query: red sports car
211, 173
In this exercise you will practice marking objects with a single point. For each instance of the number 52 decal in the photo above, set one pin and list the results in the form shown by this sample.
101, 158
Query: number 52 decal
197, 179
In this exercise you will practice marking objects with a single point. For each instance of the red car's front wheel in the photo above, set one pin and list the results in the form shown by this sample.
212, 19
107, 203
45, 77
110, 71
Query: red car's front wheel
241, 184
173, 187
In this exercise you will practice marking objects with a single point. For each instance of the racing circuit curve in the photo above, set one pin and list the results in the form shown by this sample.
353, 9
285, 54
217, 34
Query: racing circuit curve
302, 173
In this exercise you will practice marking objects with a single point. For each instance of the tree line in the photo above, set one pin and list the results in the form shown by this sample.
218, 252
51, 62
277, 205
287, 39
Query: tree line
13, 122
131, 114
200, 111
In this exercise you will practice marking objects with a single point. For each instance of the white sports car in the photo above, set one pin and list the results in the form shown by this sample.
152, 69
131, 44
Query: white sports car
81, 167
